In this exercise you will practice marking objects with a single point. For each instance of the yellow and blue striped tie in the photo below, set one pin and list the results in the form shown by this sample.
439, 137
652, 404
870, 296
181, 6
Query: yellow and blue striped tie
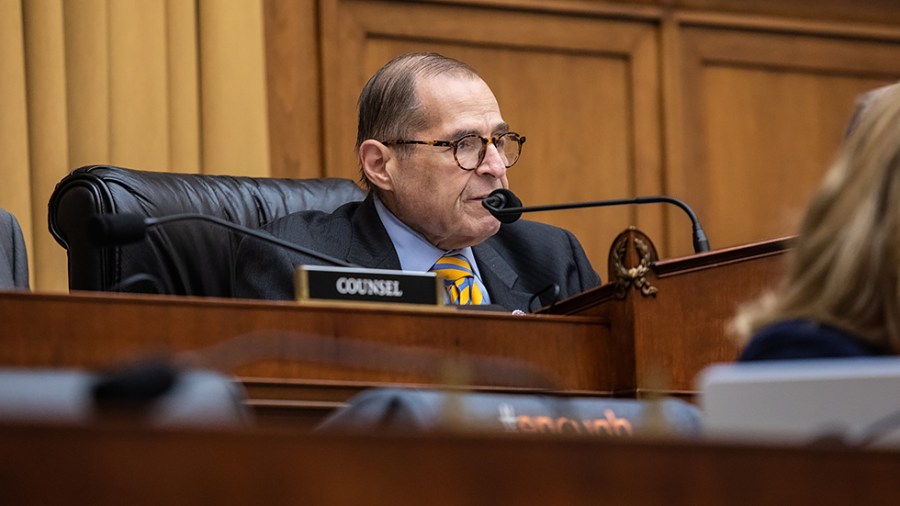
459, 280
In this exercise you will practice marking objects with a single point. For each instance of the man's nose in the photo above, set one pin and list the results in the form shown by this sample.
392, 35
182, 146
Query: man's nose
493, 163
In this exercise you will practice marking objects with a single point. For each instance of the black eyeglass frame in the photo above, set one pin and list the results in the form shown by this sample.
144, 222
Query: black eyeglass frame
518, 139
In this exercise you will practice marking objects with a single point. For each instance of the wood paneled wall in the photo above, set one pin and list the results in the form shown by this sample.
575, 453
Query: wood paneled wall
734, 106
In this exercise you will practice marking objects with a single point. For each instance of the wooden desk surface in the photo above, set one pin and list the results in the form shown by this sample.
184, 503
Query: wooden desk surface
58, 465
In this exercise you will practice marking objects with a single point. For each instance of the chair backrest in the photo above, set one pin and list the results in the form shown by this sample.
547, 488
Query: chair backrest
414, 410
190, 397
183, 258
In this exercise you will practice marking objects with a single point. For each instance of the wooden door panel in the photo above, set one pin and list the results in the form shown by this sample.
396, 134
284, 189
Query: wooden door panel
764, 111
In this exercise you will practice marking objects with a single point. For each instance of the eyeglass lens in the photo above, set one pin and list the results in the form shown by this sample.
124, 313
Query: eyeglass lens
470, 150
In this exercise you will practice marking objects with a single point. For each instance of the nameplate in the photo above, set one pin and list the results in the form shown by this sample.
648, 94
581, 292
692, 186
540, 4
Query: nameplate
317, 282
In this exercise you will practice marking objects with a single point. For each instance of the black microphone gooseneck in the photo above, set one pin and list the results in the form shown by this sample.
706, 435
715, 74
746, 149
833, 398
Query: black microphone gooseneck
124, 228
507, 207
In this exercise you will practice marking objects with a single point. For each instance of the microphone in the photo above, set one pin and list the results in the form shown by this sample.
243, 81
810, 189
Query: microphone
502, 204
140, 382
507, 208
125, 228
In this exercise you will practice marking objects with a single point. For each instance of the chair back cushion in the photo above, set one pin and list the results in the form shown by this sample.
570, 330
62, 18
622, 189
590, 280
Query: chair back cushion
183, 258
411, 410
62, 396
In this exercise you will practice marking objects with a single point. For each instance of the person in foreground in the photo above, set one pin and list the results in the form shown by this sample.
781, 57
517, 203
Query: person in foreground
432, 144
841, 295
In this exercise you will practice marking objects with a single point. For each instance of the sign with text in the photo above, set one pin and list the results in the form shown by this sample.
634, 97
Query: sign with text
318, 282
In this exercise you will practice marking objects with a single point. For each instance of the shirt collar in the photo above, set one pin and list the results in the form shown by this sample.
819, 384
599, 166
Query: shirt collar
415, 252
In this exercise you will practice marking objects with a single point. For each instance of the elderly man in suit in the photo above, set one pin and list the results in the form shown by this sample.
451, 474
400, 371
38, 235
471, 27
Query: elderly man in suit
432, 145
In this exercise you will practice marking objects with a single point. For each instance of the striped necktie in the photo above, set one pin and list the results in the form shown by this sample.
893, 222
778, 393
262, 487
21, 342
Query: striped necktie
459, 280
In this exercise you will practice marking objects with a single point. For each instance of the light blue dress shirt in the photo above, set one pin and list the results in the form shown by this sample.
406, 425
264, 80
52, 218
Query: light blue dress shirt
416, 253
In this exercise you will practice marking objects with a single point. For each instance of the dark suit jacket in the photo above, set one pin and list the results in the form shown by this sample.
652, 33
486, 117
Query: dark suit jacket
799, 339
522, 259
13, 258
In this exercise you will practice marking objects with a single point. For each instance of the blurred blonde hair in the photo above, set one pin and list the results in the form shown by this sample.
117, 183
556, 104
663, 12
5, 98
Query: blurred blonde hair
845, 265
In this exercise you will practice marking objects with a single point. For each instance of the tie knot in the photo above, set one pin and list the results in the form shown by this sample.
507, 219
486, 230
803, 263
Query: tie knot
459, 279
453, 267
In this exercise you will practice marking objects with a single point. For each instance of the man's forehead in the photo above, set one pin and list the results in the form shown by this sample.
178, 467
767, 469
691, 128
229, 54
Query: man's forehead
459, 104
438, 86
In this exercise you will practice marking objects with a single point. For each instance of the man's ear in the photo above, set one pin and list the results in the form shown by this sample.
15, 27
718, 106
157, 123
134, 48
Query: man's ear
375, 157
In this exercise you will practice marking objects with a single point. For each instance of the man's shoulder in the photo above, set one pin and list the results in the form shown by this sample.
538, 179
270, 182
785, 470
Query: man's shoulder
534, 239
526, 229
314, 218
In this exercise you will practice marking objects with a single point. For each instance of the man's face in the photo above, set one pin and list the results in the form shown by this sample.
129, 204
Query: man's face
429, 191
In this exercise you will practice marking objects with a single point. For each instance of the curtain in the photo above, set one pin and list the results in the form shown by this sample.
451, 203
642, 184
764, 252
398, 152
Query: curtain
165, 85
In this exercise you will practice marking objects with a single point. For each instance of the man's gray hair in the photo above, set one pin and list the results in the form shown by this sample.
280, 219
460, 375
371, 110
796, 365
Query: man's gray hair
389, 107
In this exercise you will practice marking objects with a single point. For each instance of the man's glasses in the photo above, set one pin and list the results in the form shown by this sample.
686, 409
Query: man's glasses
469, 150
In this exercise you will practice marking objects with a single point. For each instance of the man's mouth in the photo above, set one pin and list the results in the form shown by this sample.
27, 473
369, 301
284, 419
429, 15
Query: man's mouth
482, 197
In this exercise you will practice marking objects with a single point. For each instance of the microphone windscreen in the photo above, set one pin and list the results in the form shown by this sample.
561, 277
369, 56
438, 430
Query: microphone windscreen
498, 201
109, 229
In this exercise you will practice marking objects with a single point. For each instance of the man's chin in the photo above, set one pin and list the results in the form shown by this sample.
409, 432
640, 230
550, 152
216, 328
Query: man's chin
477, 237
488, 231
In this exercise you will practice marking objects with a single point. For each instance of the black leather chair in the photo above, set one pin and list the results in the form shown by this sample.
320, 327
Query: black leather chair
183, 258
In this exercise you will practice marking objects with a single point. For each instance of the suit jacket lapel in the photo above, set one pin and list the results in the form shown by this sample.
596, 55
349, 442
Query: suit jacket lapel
370, 245
499, 278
